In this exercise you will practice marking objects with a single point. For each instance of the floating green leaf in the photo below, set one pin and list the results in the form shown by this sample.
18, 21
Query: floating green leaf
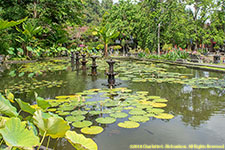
106, 120
119, 115
128, 124
164, 116
79, 112
158, 105
75, 118
139, 118
156, 110
137, 112
82, 124
80, 142
92, 130
16, 135
160, 100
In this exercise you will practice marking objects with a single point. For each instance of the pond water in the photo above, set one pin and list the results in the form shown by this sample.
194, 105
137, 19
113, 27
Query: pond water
199, 112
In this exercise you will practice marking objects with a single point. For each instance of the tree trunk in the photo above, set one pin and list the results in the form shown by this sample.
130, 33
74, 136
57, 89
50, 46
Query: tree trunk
159, 39
105, 50
25, 51
35, 8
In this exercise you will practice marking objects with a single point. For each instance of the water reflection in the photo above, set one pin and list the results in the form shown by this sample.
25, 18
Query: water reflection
194, 108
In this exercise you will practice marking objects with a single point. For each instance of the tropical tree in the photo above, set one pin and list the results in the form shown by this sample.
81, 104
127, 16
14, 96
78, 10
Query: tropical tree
106, 34
27, 37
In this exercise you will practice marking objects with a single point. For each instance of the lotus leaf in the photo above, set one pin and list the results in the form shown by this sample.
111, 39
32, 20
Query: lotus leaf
82, 124
25, 106
80, 142
61, 113
128, 124
118, 108
93, 112
15, 134
160, 100
51, 109
153, 97
106, 120
52, 125
9, 96
155, 110
79, 112
139, 118
149, 115
2, 121
128, 108
75, 118
159, 105
42, 103
164, 116
92, 130
142, 92
6, 108
137, 112
119, 115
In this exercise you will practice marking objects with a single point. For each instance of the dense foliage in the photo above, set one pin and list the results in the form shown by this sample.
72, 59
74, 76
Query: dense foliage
148, 24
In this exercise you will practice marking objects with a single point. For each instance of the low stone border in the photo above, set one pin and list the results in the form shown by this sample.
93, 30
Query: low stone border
216, 68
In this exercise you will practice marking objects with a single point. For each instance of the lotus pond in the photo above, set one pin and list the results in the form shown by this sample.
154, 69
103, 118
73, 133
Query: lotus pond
154, 104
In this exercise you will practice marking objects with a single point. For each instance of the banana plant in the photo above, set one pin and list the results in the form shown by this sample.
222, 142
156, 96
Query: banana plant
7, 24
106, 34
24, 133
28, 33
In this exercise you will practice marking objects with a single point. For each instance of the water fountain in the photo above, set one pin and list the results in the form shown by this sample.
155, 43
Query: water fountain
72, 58
77, 60
111, 74
84, 61
94, 66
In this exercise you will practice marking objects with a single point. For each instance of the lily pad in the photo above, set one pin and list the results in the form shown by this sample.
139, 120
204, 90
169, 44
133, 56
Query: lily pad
106, 120
137, 112
160, 100
80, 142
128, 124
93, 112
164, 116
159, 105
75, 118
79, 112
155, 110
92, 130
82, 124
139, 118
119, 115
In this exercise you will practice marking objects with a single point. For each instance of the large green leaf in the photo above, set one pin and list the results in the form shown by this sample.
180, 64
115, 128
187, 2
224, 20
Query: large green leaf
5, 24
80, 142
9, 96
25, 106
6, 107
53, 125
42, 103
16, 135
